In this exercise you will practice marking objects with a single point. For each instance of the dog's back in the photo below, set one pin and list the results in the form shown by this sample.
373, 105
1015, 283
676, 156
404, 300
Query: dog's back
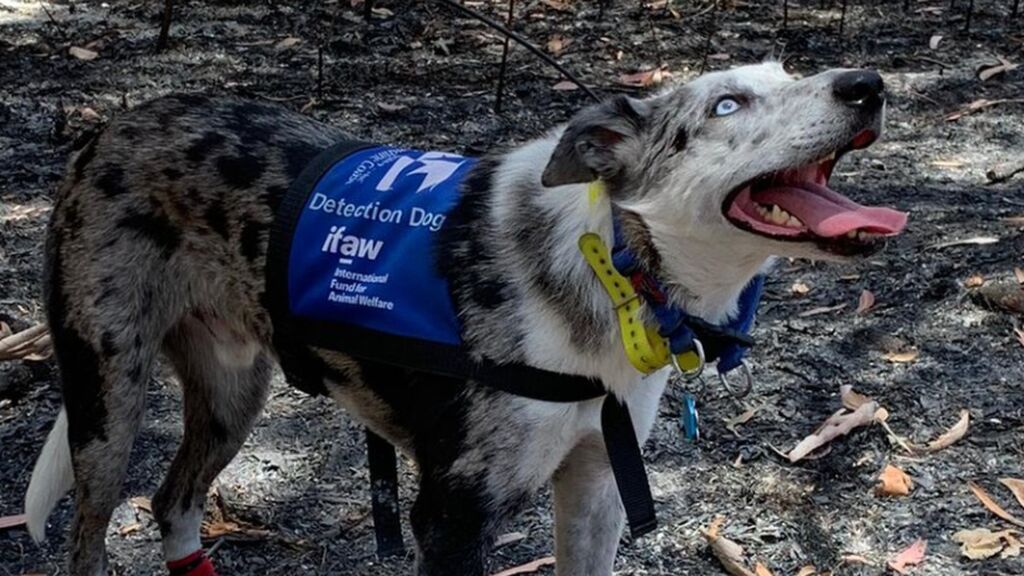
158, 241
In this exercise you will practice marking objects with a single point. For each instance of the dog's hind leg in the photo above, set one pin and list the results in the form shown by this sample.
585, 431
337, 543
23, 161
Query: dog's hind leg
225, 377
106, 349
588, 512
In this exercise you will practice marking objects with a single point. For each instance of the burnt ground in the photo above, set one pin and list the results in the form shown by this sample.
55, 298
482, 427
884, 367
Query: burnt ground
417, 74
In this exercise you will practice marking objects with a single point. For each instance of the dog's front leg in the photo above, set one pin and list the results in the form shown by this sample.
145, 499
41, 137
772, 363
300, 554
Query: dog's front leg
453, 522
588, 512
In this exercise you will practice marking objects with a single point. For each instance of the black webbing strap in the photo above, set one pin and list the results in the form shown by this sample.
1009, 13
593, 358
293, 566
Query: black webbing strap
387, 521
628, 467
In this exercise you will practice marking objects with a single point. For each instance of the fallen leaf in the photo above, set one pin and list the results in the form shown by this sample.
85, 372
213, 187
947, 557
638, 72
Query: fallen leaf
89, 115
529, 567
30, 344
510, 538
1016, 486
1013, 547
856, 559
992, 506
288, 42
981, 543
1019, 274
956, 432
645, 78
82, 53
729, 553
1019, 334
975, 241
129, 529
141, 503
762, 570
799, 288
807, 571
893, 482
989, 72
851, 400
720, 56
821, 310
12, 521
555, 45
558, 5
566, 85
933, 42
865, 302
391, 108
839, 424
901, 357
235, 530
911, 556
881, 415
974, 281
742, 418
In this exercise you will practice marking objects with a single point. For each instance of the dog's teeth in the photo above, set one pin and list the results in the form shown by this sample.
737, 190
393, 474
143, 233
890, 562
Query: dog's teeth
779, 216
794, 222
851, 234
830, 157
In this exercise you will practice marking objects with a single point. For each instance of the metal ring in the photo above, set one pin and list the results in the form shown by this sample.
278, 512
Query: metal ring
748, 381
691, 375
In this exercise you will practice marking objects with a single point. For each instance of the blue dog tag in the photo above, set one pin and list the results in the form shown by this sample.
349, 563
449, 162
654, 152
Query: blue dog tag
691, 419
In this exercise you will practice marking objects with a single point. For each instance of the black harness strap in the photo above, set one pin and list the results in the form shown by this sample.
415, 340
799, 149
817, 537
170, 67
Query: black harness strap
387, 522
628, 467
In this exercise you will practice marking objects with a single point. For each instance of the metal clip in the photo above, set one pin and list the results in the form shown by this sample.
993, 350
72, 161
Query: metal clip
748, 381
691, 375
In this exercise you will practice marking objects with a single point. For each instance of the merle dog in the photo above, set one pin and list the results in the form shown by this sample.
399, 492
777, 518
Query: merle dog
158, 243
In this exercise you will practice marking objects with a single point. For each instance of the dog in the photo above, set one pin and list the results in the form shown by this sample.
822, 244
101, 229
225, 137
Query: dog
158, 243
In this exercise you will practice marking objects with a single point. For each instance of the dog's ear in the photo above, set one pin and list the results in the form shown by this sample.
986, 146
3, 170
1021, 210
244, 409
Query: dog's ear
597, 143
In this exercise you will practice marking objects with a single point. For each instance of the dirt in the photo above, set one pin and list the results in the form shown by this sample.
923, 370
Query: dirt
418, 74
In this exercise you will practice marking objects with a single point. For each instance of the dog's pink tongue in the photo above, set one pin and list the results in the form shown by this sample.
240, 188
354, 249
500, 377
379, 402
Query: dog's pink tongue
829, 214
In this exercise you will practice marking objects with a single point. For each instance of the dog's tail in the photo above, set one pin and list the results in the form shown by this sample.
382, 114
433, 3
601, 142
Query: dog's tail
52, 478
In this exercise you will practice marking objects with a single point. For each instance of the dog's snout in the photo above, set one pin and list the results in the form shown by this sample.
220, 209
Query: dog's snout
859, 89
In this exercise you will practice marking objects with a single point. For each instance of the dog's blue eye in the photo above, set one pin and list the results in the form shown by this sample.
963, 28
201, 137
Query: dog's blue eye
727, 106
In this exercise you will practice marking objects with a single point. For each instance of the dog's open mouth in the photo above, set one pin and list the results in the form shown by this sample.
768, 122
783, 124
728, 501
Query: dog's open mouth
796, 204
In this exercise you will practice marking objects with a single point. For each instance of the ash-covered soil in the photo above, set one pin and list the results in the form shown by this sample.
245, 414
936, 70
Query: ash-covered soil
418, 74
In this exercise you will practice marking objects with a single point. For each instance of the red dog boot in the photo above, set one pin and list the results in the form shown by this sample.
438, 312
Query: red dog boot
195, 564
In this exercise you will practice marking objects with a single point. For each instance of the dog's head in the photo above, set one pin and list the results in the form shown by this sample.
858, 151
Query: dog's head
740, 158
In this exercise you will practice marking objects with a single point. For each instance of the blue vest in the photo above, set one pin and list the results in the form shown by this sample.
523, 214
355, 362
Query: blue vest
360, 263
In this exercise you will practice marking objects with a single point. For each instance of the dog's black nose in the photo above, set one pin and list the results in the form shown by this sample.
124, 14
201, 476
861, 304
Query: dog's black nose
860, 89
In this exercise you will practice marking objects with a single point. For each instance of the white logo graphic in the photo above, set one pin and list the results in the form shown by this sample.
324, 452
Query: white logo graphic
436, 167
350, 246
